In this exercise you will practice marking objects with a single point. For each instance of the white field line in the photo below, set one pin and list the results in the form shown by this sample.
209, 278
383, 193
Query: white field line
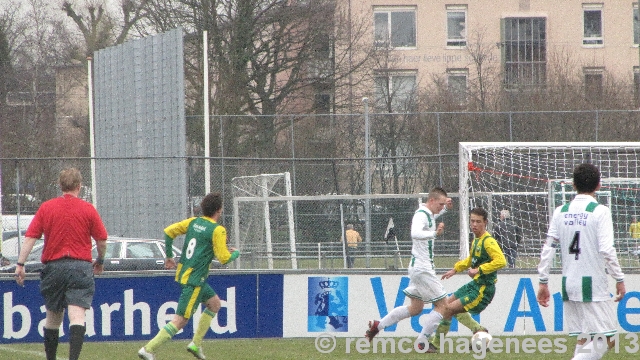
30, 352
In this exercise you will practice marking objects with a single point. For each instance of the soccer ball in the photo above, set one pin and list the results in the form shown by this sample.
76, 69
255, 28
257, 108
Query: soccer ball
480, 338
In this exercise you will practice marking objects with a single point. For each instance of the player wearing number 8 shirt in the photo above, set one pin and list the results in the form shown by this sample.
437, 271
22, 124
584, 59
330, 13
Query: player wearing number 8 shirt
583, 230
204, 239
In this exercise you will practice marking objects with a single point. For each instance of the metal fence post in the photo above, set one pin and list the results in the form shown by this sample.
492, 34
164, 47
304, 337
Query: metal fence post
367, 201
510, 126
439, 149
597, 123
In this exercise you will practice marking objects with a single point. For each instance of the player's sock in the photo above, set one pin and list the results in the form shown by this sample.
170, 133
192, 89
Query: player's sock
165, 334
431, 322
203, 326
443, 328
469, 322
51, 342
394, 316
76, 339
588, 352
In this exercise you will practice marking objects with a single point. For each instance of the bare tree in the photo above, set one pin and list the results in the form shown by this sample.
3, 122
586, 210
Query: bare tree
394, 106
267, 57
101, 29
485, 82
6, 68
28, 107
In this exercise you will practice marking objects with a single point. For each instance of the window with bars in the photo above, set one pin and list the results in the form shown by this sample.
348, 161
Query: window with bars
524, 52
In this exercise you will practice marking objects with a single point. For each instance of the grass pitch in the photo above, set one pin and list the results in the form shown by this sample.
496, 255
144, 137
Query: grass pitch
299, 348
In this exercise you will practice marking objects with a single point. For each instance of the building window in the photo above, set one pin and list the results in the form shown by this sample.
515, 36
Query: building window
321, 63
525, 52
636, 85
592, 24
456, 26
593, 78
395, 28
457, 84
636, 25
322, 104
396, 92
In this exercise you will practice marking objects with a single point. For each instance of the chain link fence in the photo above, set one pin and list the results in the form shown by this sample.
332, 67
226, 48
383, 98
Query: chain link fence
324, 154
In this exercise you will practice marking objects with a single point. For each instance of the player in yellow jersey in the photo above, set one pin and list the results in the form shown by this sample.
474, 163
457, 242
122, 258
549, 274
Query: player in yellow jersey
204, 239
634, 228
482, 265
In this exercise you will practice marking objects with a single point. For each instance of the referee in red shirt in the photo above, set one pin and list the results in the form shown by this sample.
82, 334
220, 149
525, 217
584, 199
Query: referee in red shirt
68, 224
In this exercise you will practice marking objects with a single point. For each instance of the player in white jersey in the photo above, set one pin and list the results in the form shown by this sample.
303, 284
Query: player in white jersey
583, 230
424, 286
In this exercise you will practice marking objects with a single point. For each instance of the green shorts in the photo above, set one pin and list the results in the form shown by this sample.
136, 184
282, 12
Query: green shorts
191, 297
475, 297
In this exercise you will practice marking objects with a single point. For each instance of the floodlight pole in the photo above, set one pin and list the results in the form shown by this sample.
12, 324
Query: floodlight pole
92, 145
636, 37
207, 150
367, 182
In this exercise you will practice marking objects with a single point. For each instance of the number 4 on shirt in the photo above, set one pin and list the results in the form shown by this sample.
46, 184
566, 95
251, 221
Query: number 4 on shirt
574, 247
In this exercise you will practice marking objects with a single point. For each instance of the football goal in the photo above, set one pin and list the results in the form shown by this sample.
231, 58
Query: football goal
252, 215
531, 179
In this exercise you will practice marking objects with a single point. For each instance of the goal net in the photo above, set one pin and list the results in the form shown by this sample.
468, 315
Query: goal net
531, 179
252, 218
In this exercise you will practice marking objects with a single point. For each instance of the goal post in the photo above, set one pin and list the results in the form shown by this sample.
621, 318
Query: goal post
532, 179
252, 219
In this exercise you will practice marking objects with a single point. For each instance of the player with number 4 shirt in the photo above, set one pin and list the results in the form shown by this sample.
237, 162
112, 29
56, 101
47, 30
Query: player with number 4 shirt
583, 230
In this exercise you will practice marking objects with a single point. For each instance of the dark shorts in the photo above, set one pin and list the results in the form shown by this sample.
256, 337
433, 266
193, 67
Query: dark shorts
191, 297
475, 297
67, 282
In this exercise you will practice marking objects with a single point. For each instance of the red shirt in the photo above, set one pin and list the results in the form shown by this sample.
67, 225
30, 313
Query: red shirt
68, 224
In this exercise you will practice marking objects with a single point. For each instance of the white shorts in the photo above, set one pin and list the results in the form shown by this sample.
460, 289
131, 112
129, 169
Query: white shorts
597, 317
424, 285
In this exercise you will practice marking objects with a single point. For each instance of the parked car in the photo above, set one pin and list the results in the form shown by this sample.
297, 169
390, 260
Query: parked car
123, 254
7, 234
29, 204
10, 251
133, 254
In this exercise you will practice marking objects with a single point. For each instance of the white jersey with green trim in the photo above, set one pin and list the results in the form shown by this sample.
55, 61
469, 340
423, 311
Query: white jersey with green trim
423, 233
583, 230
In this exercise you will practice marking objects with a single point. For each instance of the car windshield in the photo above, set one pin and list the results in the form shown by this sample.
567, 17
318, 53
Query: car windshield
113, 250
144, 250
176, 251
10, 249
7, 234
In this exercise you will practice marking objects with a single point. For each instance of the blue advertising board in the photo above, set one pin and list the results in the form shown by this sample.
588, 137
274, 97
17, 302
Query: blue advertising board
135, 308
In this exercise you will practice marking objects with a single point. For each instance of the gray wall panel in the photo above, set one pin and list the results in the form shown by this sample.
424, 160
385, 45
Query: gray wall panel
139, 112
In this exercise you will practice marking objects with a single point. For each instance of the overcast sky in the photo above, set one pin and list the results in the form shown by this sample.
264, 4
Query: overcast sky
112, 5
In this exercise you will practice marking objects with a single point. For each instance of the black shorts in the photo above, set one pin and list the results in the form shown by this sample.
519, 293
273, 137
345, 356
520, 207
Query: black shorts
67, 282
